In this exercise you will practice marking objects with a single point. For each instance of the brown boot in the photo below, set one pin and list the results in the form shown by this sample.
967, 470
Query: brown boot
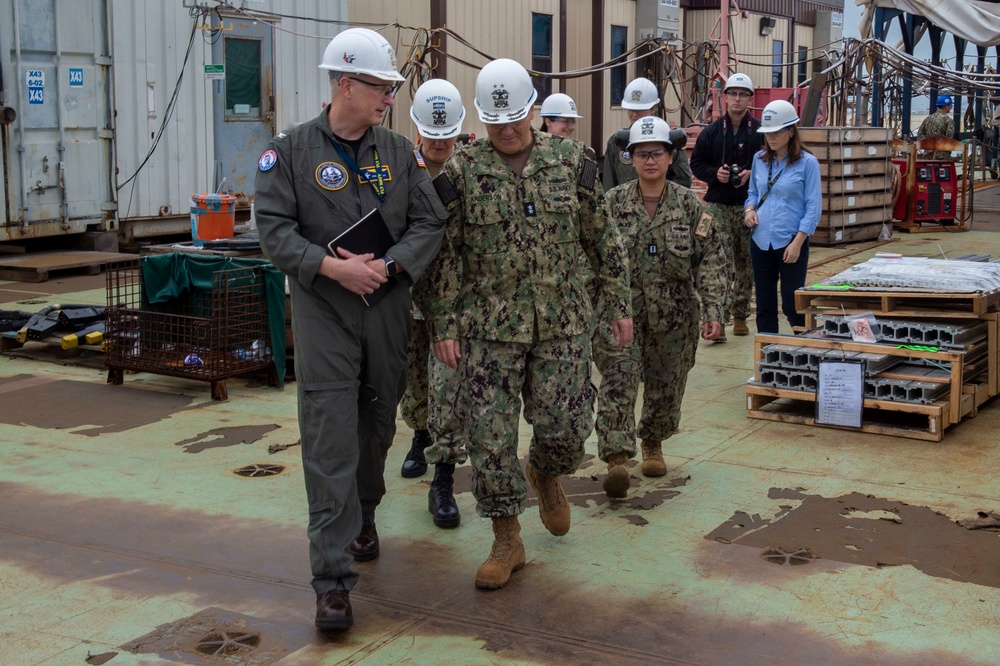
740, 326
618, 480
553, 507
506, 556
652, 459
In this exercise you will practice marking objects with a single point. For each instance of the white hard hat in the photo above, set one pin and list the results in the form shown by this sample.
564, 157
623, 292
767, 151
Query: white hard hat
650, 129
361, 51
558, 105
504, 93
777, 115
437, 110
739, 81
640, 95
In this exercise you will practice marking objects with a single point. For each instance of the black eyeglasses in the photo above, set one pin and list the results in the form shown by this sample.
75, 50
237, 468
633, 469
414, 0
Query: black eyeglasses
738, 93
386, 90
646, 155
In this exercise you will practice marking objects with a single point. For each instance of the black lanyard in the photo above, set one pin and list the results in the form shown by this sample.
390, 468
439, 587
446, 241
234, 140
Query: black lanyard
771, 181
377, 182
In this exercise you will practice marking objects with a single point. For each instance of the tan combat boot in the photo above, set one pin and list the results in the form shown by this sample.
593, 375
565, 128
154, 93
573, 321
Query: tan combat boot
740, 326
618, 480
506, 556
553, 507
652, 459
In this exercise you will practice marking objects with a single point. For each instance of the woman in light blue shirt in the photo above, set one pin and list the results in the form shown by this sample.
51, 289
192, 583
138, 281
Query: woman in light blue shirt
782, 211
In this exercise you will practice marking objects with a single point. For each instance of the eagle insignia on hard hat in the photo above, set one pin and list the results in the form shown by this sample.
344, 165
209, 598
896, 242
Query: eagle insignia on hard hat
636, 95
625, 157
646, 127
440, 118
349, 59
331, 176
500, 96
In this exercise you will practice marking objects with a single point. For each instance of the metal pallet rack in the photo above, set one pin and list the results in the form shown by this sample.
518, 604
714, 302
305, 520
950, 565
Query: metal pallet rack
203, 335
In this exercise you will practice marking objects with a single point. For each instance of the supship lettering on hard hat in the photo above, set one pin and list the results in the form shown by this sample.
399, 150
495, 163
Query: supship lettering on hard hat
349, 59
267, 160
331, 176
500, 96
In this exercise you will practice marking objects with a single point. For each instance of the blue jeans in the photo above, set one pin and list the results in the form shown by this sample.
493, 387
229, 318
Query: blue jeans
768, 269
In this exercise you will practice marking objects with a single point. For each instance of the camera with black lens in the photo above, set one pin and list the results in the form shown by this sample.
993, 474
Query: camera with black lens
734, 174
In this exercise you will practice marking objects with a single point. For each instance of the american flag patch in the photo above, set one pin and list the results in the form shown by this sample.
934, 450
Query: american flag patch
420, 159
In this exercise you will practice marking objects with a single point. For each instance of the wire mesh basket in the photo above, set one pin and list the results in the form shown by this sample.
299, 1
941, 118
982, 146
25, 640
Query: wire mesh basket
199, 334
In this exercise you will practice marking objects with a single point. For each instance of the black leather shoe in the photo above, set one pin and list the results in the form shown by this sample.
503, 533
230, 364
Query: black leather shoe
365, 547
415, 464
333, 611
441, 498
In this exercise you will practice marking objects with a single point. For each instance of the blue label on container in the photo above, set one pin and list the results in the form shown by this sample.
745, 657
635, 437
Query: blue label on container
76, 76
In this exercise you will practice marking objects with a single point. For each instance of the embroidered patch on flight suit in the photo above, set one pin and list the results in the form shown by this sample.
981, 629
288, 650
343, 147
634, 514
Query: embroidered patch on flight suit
704, 224
369, 175
625, 157
445, 189
588, 175
331, 176
267, 160
420, 159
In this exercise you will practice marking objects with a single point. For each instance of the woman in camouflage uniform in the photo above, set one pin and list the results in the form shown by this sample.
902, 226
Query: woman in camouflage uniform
675, 256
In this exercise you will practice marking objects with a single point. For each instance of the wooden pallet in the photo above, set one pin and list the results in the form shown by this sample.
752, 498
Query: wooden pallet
853, 168
828, 236
849, 185
855, 217
886, 417
846, 135
832, 152
37, 266
897, 419
898, 304
851, 200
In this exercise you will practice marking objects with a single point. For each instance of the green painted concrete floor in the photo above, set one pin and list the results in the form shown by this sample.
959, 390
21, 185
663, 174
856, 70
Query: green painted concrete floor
126, 537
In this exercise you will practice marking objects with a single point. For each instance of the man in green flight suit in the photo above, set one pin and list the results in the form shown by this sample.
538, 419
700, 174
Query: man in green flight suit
313, 183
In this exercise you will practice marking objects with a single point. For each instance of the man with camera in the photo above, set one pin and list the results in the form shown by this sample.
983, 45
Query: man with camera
722, 156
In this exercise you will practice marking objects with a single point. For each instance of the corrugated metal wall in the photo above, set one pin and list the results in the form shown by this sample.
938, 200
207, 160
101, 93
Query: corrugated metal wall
414, 17
618, 13
150, 39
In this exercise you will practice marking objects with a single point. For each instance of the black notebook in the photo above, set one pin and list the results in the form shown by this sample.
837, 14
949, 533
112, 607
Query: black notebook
367, 235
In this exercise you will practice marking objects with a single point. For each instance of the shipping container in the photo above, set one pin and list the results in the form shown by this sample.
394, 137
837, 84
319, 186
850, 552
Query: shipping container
126, 108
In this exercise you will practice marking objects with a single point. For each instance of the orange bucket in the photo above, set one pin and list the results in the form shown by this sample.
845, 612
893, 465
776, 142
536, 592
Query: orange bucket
213, 216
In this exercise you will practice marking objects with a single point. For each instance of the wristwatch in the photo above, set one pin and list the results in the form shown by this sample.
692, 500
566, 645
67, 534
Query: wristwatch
391, 267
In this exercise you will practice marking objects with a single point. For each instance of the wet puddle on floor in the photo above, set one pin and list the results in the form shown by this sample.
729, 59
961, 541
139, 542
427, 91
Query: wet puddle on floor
228, 436
875, 532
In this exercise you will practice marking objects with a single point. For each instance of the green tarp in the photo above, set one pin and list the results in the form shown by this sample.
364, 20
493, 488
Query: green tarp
167, 276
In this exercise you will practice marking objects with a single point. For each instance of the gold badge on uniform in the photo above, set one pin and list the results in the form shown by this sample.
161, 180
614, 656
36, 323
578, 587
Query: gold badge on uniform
704, 224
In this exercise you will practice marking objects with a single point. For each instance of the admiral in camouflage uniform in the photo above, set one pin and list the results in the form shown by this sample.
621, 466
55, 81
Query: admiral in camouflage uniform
510, 309
676, 256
